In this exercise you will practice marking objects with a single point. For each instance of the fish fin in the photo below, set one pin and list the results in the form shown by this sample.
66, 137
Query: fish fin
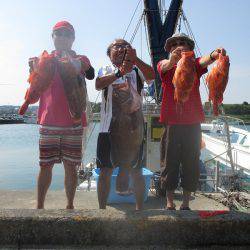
122, 180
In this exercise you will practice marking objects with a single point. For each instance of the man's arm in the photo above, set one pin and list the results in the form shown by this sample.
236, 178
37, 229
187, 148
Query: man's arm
104, 81
147, 70
86, 67
107, 79
90, 73
213, 56
168, 64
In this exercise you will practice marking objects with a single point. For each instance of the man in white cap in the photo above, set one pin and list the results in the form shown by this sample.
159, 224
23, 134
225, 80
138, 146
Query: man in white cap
183, 132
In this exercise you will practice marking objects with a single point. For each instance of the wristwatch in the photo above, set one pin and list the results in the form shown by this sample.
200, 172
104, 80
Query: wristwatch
211, 56
118, 73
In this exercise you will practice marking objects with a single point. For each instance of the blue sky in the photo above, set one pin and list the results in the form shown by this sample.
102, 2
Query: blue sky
26, 25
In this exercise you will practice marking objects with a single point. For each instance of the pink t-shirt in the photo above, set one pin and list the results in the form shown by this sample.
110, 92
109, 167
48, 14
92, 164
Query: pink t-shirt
53, 107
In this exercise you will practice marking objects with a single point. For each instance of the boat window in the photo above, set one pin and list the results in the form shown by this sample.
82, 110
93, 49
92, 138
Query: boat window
245, 141
234, 137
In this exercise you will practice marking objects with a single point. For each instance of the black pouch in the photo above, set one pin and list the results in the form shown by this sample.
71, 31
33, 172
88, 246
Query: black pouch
159, 184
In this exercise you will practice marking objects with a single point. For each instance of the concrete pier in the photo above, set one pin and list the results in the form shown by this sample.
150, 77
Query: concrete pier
117, 226
96, 227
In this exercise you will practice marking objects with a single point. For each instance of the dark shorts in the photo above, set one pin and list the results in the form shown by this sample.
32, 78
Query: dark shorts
181, 158
103, 152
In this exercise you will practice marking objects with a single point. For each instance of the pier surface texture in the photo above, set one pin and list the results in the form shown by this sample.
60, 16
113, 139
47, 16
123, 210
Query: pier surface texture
117, 227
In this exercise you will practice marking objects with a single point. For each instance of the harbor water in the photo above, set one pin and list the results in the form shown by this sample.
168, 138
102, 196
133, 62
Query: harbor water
19, 157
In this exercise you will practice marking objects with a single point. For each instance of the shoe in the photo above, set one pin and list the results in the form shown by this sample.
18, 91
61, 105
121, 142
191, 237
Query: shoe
185, 208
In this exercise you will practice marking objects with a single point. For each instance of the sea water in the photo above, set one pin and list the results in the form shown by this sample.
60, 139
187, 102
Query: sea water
19, 157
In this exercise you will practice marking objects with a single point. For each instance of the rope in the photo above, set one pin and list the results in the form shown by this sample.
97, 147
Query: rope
205, 162
132, 18
136, 28
141, 33
179, 27
146, 34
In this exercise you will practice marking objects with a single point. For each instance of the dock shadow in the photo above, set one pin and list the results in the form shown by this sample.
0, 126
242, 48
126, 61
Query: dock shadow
153, 202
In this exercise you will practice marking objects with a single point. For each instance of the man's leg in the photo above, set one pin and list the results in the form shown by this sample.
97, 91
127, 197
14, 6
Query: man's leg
171, 164
163, 148
170, 200
186, 199
49, 153
190, 160
71, 155
43, 183
103, 186
70, 183
139, 187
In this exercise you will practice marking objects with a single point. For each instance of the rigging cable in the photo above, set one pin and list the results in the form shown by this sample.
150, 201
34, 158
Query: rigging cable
132, 18
136, 28
197, 49
149, 52
179, 26
141, 32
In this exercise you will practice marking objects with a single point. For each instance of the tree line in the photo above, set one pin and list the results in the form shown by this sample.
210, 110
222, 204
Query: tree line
237, 109
230, 109
96, 107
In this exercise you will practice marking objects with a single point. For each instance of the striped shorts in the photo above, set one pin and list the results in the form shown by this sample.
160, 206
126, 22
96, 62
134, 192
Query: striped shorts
57, 144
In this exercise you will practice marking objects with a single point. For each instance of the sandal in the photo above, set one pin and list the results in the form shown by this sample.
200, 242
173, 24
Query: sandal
171, 208
185, 208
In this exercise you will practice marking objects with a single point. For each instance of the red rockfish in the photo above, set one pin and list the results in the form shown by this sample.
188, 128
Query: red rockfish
217, 80
184, 76
39, 79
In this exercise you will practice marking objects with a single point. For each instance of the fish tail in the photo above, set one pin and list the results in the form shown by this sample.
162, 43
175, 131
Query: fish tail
176, 96
215, 108
23, 108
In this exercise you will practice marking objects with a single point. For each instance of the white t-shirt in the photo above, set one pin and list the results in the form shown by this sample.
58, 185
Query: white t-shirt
106, 105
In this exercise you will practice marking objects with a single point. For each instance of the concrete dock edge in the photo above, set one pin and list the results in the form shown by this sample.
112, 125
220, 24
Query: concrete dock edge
99, 227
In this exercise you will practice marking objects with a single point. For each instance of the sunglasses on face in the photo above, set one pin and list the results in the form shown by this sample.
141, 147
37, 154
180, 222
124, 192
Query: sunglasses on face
120, 46
179, 43
63, 33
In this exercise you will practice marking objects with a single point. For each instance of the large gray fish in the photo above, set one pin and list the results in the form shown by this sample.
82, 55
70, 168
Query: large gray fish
75, 89
126, 131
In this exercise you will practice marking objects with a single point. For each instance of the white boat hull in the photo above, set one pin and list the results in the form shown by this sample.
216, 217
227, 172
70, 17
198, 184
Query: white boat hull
217, 147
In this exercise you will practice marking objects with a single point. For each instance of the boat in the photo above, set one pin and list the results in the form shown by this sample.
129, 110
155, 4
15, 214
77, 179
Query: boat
30, 119
238, 148
11, 119
160, 25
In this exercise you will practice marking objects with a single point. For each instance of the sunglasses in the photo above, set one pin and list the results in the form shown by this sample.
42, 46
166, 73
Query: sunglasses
63, 33
120, 46
179, 43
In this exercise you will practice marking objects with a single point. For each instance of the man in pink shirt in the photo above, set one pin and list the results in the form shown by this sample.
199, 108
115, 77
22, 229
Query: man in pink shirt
60, 134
